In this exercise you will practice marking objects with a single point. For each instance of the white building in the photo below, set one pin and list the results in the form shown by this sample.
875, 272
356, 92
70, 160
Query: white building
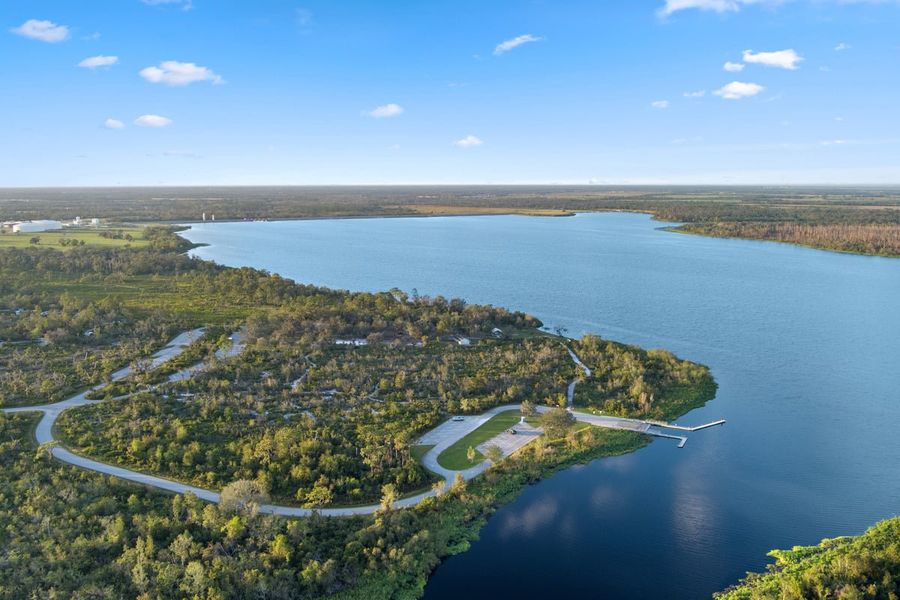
36, 226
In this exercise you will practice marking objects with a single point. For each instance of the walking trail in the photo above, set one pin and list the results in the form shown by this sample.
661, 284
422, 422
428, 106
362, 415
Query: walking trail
441, 437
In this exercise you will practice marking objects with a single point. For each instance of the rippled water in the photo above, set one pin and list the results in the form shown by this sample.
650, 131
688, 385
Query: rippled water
805, 346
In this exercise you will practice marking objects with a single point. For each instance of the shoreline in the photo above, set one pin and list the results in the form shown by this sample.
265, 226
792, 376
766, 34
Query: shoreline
680, 229
668, 226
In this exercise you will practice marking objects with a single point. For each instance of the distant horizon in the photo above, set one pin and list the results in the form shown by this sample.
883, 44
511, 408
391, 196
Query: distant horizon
460, 185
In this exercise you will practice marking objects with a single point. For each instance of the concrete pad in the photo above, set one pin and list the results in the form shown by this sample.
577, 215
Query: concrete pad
450, 430
509, 442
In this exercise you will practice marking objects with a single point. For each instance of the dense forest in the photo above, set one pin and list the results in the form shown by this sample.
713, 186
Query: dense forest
68, 533
811, 216
881, 239
632, 382
867, 566
296, 416
333, 426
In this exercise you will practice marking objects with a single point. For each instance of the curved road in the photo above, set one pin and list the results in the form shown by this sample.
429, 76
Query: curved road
443, 436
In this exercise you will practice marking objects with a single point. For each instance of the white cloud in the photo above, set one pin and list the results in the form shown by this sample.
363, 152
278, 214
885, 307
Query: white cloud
697, 94
842, 46
113, 124
174, 73
98, 61
738, 89
672, 6
660, 104
470, 141
783, 59
152, 121
45, 31
386, 111
515, 42
733, 67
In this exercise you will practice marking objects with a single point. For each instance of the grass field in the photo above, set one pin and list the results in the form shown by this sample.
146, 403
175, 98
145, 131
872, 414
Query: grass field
455, 457
90, 237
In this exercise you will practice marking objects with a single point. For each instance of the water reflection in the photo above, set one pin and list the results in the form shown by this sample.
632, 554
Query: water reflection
526, 522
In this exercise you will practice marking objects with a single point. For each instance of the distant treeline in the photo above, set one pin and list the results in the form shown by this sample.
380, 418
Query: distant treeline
877, 239
709, 210
285, 202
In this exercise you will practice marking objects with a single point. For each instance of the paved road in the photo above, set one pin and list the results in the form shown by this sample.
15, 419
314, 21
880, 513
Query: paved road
235, 347
578, 362
442, 437
570, 392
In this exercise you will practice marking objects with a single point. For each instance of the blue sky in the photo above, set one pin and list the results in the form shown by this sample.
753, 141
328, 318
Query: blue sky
193, 92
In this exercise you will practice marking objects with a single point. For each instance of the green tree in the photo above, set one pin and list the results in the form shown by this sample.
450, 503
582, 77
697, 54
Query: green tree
388, 496
470, 454
319, 495
281, 547
556, 422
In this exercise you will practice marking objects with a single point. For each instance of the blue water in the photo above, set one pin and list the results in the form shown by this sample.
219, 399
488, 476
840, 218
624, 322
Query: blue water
805, 346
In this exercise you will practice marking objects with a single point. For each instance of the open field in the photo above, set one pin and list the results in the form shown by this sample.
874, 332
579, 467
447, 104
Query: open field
86, 237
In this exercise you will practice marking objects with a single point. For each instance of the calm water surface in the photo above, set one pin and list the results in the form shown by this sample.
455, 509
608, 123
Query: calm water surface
805, 346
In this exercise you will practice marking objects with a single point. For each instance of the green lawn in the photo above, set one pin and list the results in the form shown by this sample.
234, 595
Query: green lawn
90, 237
455, 457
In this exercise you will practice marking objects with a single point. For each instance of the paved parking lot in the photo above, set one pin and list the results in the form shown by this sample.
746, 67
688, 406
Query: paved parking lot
509, 442
450, 430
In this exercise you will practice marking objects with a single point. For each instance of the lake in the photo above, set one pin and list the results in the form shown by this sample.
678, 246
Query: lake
805, 346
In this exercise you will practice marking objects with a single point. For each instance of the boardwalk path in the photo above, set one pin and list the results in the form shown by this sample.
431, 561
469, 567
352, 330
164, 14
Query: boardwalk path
442, 436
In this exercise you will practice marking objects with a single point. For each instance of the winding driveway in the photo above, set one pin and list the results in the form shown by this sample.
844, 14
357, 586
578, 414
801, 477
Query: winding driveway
442, 436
